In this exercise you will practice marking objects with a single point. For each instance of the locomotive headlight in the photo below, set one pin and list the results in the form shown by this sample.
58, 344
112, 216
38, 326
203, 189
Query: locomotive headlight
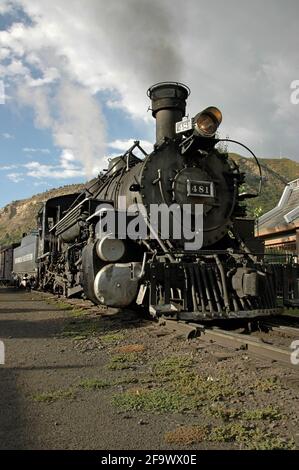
207, 121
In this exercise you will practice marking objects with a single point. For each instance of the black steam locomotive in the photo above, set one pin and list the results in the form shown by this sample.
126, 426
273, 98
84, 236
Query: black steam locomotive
222, 276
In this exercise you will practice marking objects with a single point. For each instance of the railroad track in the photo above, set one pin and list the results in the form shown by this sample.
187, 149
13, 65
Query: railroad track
240, 341
288, 330
232, 339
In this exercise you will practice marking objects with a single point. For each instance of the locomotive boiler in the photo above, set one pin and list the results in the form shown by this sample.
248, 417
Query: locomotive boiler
224, 276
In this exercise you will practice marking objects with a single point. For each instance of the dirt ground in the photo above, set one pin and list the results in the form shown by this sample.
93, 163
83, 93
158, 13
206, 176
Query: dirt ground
86, 379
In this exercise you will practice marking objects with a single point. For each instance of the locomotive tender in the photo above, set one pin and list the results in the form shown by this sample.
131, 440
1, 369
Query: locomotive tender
25, 257
225, 277
18, 262
6, 264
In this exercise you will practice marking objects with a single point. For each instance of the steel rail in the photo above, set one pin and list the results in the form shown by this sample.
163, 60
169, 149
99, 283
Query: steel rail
248, 343
289, 330
232, 340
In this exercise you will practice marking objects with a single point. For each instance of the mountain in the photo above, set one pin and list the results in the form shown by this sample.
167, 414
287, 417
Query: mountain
19, 217
276, 172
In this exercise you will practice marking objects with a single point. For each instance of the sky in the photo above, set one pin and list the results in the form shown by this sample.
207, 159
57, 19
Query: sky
74, 76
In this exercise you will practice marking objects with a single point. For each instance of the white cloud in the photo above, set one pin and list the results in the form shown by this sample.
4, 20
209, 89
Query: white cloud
15, 68
42, 183
8, 167
122, 48
5, 7
7, 136
67, 168
73, 116
50, 75
36, 150
71, 40
15, 177
4, 53
124, 145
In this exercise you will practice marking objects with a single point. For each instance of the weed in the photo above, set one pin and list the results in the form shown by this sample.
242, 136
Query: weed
155, 400
94, 384
245, 437
74, 312
111, 338
177, 388
131, 348
177, 372
249, 438
266, 385
60, 305
170, 367
79, 337
79, 312
123, 361
192, 384
82, 328
227, 414
186, 435
224, 413
97, 384
126, 380
269, 412
49, 397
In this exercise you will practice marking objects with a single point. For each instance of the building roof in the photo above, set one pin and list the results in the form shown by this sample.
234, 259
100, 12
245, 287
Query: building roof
285, 216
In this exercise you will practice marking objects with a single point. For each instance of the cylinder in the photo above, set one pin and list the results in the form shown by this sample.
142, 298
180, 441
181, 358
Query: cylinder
168, 107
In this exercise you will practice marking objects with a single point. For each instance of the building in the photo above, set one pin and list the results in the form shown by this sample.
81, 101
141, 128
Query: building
279, 228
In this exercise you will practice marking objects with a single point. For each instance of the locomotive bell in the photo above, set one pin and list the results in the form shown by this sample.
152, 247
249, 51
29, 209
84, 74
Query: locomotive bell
168, 107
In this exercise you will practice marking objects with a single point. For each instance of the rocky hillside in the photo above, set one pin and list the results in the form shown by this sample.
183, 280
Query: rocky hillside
19, 217
276, 173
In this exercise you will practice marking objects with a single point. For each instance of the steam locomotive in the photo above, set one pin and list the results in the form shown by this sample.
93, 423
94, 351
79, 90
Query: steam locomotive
222, 276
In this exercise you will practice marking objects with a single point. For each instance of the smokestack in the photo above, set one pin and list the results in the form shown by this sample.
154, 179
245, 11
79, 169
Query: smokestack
168, 107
